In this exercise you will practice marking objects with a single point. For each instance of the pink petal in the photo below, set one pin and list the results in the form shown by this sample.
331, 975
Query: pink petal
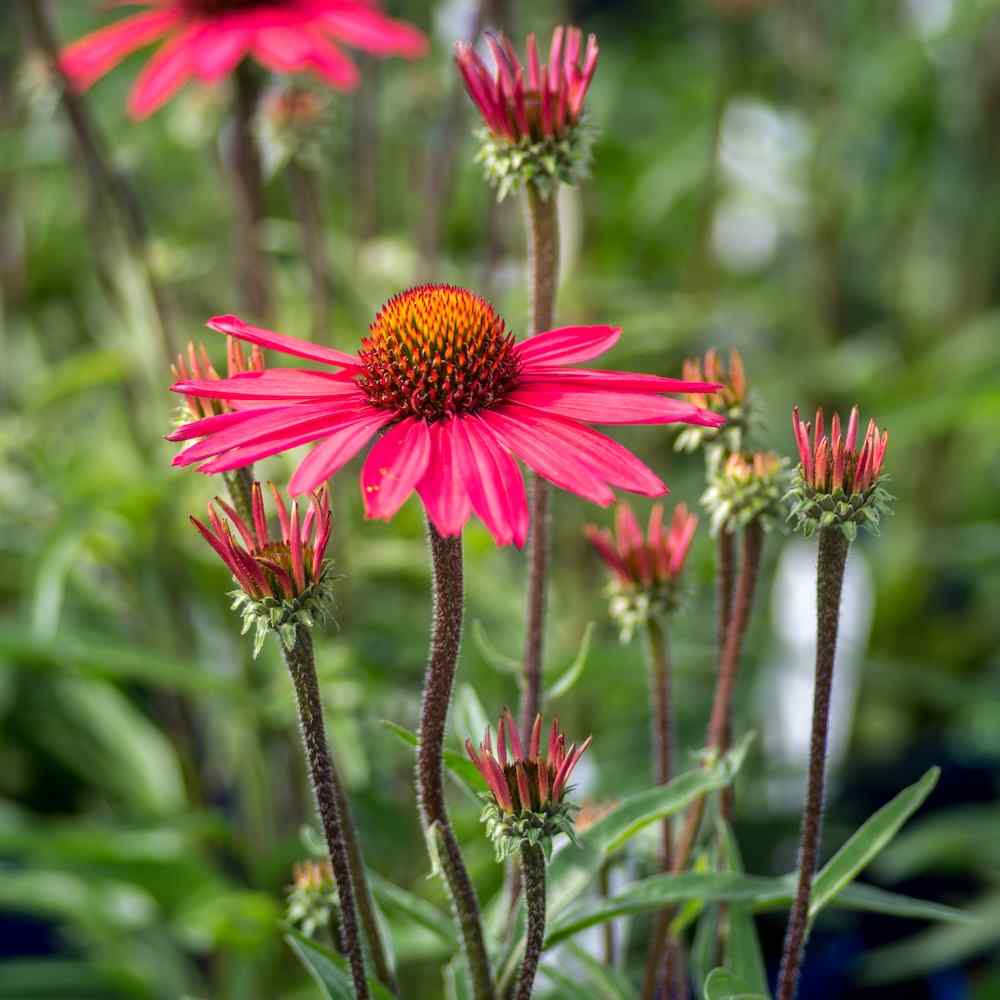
442, 488
294, 385
568, 344
609, 407
218, 51
235, 327
493, 482
94, 55
335, 451
394, 467
603, 379
371, 31
605, 548
164, 74
219, 422
627, 528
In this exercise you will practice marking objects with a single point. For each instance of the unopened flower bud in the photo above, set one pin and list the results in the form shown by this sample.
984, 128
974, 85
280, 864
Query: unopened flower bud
732, 401
312, 897
747, 487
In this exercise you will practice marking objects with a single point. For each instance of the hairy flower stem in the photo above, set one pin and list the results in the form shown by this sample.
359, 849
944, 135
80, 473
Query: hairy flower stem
329, 796
239, 483
718, 729
533, 877
829, 583
544, 266
251, 261
446, 638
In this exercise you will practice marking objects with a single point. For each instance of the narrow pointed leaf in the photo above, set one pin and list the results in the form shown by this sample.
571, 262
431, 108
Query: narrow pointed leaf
329, 970
497, 660
574, 671
723, 985
460, 766
421, 912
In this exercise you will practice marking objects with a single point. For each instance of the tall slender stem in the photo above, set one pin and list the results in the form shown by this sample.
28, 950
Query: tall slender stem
724, 582
544, 266
248, 175
446, 638
533, 877
829, 582
325, 781
307, 199
662, 737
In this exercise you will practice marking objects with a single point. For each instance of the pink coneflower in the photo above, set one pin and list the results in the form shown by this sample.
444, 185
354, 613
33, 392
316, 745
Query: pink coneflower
541, 103
832, 463
206, 39
458, 399
644, 562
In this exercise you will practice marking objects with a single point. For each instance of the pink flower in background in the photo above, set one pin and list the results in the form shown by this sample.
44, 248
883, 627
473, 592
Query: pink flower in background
543, 103
645, 561
207, 39
832, 463
458, 398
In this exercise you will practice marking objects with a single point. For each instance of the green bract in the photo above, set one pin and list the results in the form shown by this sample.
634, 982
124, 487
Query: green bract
511, 831
812, 510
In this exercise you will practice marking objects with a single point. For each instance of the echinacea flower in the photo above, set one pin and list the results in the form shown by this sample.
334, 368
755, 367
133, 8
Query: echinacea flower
534, 116
527, 799
285, 581
732, 401
457, 398
207, 39
747, 488
837, 484
646, 567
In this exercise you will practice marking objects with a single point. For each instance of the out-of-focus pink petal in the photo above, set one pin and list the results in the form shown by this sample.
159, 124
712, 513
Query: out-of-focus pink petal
394, 467
233, 326
442, 488
96, 54
371, 31
567, 345
611, 407
218, 52
627, 528
164, 74
605, 548
336, 450
288, 51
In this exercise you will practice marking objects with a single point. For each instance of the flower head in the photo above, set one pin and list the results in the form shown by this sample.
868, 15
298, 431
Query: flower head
838, 485
285, 581
747, 487
457, 398
534, 116
731, 401
646, 568
527, 799
207, 39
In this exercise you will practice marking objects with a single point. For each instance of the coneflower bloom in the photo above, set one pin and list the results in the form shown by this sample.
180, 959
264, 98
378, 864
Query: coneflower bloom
285, 579
646, 567
838, 484
527, 798
457, 398
207, 39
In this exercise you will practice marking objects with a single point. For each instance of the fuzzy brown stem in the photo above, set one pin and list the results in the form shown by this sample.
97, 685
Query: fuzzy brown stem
533, 877
544, 276
439, 681
829, 582
325, 781
608, 927
307, 201
253, 278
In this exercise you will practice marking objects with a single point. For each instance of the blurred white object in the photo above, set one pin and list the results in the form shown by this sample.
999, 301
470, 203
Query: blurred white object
786, 688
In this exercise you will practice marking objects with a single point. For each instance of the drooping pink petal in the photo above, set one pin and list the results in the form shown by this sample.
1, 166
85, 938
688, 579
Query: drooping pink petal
323, 57
373, 32
336, 450
217, 422
290, 384
567, 345
394, 467
233, 326
610, 407
168, 70
556, 376
218, 52
442, 488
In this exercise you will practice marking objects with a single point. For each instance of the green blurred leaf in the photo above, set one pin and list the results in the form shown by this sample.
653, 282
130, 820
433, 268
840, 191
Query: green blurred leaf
567, 680
497, 660
743, 952
867, 841
329, 970
722, 984
460, 766
427, 915
456, 980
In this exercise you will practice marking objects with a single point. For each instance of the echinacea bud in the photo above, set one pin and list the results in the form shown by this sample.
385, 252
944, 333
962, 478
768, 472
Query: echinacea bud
194, 364
748, 487
526, 804
312, 898
646, 569
838, 484
285, 581
536, 131
731, 401
296, 123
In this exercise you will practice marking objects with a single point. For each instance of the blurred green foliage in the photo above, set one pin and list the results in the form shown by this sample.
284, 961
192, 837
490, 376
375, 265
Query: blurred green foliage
816, 184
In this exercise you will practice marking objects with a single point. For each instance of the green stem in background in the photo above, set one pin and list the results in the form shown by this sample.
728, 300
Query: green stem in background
533, 879
608, 927
439, 682
106, 181
544, 268
662, 736
239, 483
307, 200
829, 582
718, 728
325, 781
253, 278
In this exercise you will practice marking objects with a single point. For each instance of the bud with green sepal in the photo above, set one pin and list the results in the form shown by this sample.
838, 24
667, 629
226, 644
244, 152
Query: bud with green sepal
284, 582
836, 485
732, 401
526, 805
312, 898
747, 488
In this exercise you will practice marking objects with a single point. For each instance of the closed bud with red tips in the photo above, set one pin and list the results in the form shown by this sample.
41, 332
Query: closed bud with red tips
526, 804
838, 484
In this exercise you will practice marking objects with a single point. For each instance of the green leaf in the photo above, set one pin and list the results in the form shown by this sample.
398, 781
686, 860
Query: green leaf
869, 839
456, 980
575, 670
721, 984
603, 981
470, 718
421, 912
872, 900
459, 765
744, 955
497, 660
329, 969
